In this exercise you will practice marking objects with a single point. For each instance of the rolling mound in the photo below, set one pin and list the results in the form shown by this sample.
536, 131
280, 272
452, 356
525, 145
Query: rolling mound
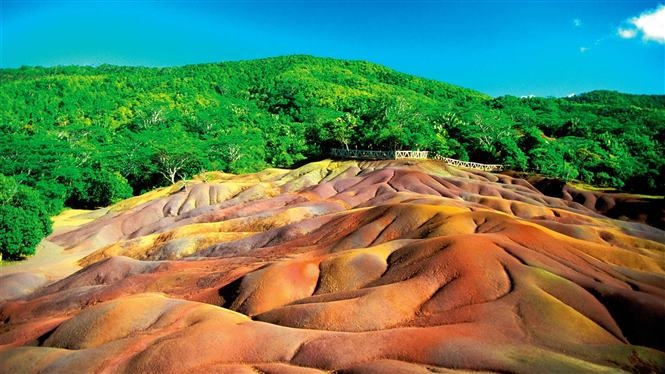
364, 267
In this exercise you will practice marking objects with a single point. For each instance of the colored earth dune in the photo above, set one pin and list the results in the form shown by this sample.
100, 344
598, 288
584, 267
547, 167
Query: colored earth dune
364, 267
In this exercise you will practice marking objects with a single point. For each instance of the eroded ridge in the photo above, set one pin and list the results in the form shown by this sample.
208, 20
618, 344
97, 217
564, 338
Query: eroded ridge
386, 266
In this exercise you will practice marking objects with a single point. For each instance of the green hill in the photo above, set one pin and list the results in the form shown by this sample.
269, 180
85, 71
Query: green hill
88, 136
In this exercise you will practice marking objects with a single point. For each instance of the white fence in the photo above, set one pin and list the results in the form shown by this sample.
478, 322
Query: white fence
376, 155
471, 165
396, 155
410, 154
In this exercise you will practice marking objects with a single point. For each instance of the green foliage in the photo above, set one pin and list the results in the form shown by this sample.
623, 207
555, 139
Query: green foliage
54, 195
99, 188
23, 219
80, 135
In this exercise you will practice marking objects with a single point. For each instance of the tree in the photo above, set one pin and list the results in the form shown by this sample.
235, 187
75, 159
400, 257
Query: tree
99, 188
173, 152
23, 219
343, 128
441, 125
171, 164
59, 126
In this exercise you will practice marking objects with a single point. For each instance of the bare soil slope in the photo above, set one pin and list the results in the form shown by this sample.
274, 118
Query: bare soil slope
367, 267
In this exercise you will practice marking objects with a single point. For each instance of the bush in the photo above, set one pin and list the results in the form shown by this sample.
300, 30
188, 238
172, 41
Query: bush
24, 221
99, 188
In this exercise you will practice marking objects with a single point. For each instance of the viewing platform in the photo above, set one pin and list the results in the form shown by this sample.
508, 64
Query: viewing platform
362, 154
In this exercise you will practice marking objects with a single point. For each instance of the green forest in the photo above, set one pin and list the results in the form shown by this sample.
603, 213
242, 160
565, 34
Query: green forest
86, 137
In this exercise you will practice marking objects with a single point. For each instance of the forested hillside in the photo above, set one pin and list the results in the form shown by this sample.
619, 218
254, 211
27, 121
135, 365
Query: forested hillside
88, 136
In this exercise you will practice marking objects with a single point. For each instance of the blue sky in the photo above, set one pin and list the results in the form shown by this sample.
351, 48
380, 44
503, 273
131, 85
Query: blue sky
543, 48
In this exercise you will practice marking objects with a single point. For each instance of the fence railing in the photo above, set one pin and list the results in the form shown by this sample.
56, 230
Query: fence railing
377, 155
471, 165
363, 154
410, 154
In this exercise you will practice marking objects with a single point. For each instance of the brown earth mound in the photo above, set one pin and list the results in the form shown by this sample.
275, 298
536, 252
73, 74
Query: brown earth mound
367, 267
649, 210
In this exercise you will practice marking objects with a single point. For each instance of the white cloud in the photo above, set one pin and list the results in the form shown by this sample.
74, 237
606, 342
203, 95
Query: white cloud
627, 33
577, 22
651, 24
583, 49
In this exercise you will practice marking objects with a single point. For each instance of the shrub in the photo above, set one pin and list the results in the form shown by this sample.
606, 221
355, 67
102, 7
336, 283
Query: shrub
99, 188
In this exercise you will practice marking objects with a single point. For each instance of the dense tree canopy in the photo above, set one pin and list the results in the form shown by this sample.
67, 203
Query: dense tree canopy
89, 136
